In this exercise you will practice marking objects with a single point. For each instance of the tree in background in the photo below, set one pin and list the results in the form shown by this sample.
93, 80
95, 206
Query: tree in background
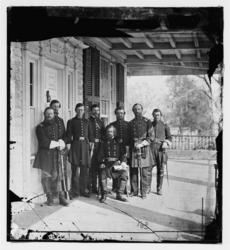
188, 106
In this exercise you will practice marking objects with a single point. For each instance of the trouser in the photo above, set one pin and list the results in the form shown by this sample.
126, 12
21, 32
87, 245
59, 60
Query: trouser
134, 180
93, 177
120, 176
115, 184
79, 179
51, 185
160, 175
161, 161
150, 175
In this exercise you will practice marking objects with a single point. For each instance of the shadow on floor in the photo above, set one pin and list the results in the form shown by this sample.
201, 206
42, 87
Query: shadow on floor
187, 180
143, 214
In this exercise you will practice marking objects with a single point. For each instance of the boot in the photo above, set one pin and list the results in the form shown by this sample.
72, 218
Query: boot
120, 197
62, 199
121, 188
103, 190
149, 180
50, 201
159, 184
103, 198
115, 185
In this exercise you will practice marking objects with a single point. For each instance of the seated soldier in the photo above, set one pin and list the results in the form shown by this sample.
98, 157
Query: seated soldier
112, 164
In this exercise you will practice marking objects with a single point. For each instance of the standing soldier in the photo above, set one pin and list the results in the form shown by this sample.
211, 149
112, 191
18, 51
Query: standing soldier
140, 136
112, 164
56, 105
162, 141
50, 144
96, 133
77, 135
122, 133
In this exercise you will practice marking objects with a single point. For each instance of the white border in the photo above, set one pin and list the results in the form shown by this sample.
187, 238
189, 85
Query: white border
115, 3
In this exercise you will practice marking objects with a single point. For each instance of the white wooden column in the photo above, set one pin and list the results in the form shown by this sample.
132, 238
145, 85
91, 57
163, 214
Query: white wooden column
26, 122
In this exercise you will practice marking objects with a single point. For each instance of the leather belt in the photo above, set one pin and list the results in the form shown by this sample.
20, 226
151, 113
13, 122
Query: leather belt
80, 139
111, 159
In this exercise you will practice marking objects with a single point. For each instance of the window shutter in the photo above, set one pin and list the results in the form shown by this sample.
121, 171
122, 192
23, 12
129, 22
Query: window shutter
96, 71
120, 84
87, 73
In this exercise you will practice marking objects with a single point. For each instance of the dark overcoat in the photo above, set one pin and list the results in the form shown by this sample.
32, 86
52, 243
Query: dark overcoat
111, 148
161, 133
140, 129
96, 135
47, 159
122, 131
77, 135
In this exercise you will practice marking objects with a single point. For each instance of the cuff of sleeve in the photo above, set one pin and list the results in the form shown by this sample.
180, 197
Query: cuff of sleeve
168, 142
61, 143
145, 143
53, 144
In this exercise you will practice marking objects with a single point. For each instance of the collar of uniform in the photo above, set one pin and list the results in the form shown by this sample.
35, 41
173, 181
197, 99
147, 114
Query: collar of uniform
157, 122
77, 118
48, 122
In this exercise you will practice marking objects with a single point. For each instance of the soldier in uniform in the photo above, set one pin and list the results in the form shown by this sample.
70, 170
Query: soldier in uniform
96, 133
122, 133
162, 141
77, 135
56, 105
112, 164
140, 136
50, 143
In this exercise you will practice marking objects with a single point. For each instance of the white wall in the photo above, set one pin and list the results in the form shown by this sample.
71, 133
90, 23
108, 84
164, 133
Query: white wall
65, 58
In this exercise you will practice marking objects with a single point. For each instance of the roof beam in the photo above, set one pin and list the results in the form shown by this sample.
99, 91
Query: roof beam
172, 41
126, 42
104, 43
195, 39
166, 58
161, 46
178, 54
158, 54
158, 70
148, 41
196, 44
139, 54
198, 54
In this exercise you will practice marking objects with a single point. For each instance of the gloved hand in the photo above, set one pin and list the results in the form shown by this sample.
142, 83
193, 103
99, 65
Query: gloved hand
138, 146
61, 144
68, 147
54, 144
102, 165
164, 145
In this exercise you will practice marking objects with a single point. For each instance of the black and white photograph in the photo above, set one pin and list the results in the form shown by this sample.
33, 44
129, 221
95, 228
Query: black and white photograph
115, 123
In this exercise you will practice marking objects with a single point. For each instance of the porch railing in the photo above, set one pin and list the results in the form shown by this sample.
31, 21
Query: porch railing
193, 142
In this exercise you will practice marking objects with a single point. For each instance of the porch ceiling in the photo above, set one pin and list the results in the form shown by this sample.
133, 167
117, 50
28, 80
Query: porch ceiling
161, 52
151, 41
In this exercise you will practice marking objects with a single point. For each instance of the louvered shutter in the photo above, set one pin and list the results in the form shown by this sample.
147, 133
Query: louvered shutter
120, 84
91, 77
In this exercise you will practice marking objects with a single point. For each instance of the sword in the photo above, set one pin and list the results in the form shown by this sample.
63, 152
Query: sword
64, 180
140, 168
166, 165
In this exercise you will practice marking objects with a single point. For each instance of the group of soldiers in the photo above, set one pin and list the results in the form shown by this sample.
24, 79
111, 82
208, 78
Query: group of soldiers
97, 152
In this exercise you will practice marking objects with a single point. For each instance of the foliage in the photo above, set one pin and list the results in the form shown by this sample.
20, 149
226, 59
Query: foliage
190, 107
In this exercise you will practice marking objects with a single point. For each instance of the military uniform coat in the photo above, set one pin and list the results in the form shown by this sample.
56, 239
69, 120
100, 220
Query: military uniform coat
141, 129
48, 159
96, 135
161, 132
111, 148
122, 131
77, 134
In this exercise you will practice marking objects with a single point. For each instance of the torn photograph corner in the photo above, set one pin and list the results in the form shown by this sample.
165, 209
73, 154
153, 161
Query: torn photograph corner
115, 124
